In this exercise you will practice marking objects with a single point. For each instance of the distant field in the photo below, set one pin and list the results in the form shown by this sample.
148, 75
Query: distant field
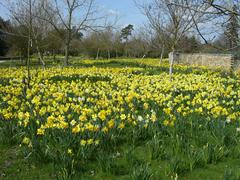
118, 119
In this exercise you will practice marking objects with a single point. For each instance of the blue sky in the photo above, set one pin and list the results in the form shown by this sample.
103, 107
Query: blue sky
3, 12
125, 9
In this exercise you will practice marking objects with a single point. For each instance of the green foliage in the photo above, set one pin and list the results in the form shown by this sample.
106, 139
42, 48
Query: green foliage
195, 143
126, 32
141, 172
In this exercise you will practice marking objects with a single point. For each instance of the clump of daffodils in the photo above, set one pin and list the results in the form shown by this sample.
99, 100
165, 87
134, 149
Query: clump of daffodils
111, 100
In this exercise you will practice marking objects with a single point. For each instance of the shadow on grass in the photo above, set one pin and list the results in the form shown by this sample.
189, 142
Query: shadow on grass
75, 77
148, 69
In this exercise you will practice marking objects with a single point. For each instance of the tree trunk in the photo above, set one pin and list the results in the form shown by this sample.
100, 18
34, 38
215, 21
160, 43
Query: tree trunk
162, 53
116, 53
97, 54
21, 57
29, 44
171, 62
40, 56
68, 41
54, 56
125, 49
66, 54
109, 56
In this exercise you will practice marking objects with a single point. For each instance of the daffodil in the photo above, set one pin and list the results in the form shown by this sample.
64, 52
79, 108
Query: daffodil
83, 142
121, 126
26, 141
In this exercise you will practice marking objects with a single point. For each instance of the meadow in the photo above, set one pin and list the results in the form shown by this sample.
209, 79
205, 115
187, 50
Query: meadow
119, 119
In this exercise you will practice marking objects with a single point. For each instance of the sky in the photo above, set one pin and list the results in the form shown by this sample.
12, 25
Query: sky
3, 12
126, 10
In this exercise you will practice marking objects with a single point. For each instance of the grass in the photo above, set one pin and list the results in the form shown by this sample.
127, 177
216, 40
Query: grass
140, 158
15, 166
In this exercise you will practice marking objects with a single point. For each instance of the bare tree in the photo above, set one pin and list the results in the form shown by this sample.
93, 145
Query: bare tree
82, 15
106, 41
40, 29
222, 15
23, 13
29, 39
229, 13
166, 17
223, 7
